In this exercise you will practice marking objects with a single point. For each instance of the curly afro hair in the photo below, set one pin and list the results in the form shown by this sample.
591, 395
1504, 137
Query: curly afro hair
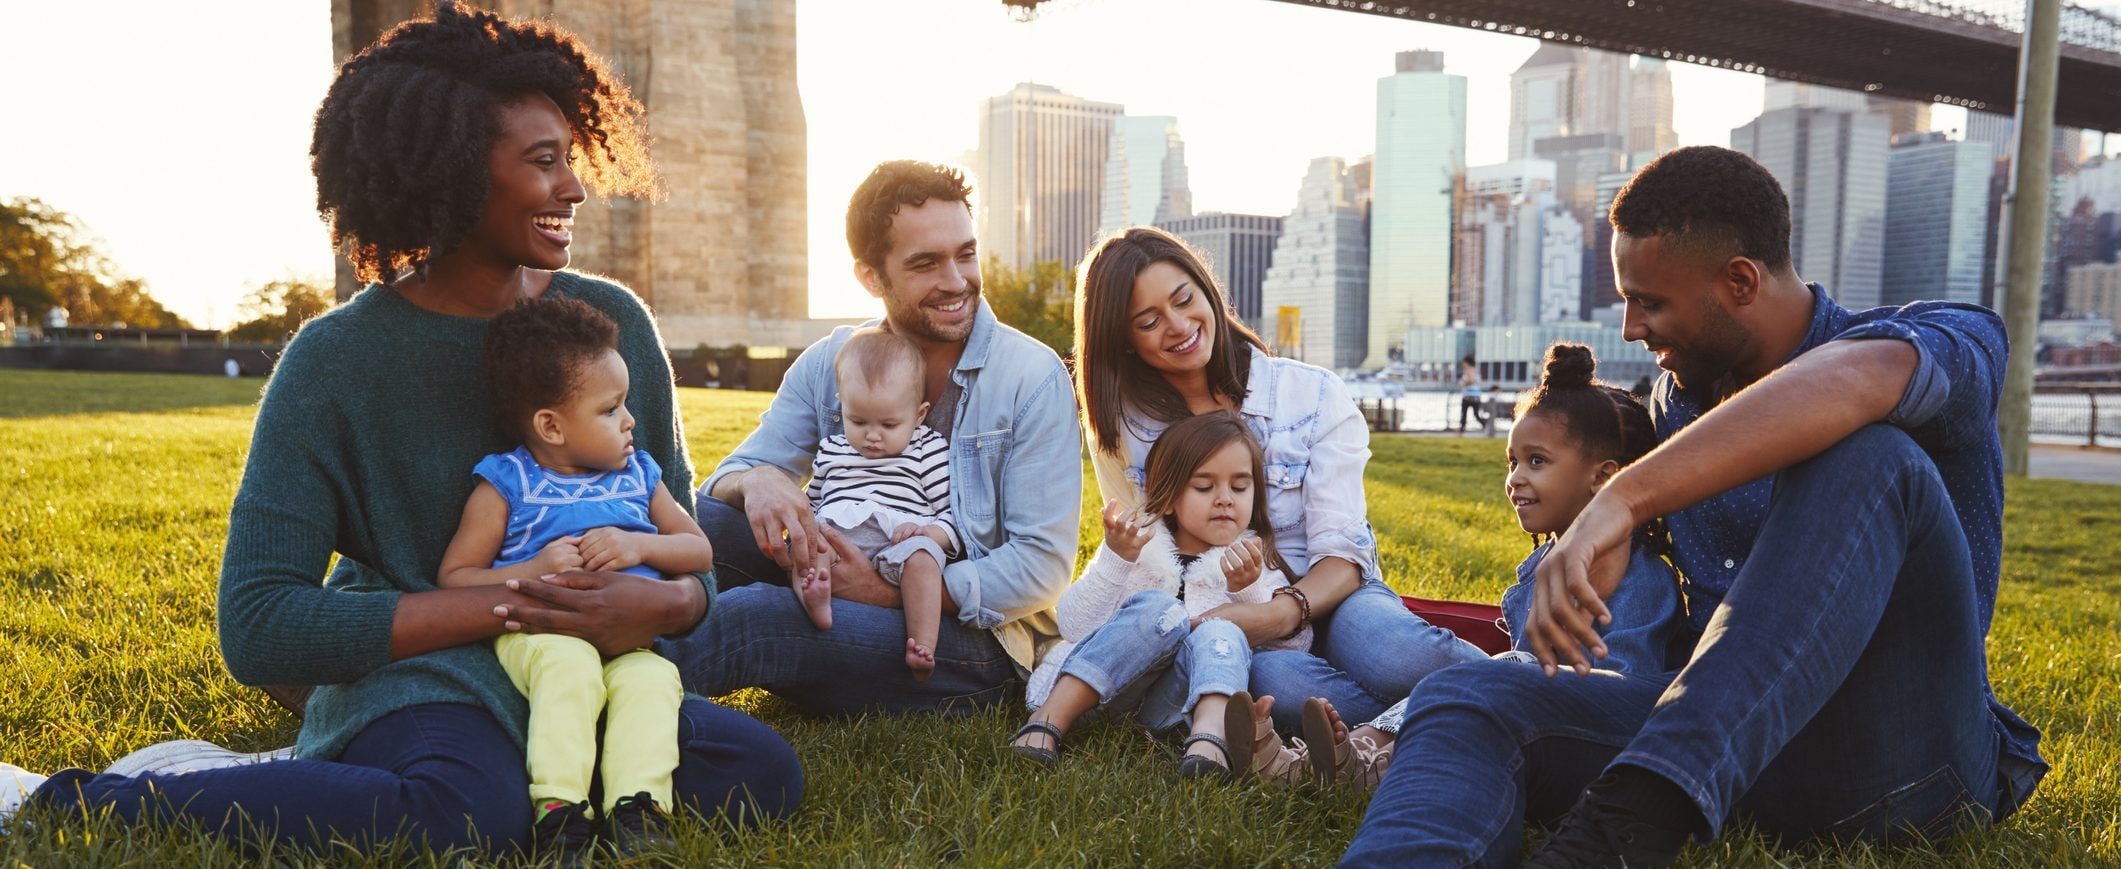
403, 136
1711, 200
535, 352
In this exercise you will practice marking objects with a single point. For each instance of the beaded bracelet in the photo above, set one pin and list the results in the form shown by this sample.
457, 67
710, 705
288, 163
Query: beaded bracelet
1304, 603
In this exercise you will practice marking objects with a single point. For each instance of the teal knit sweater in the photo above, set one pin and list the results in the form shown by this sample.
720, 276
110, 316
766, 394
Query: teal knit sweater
364, 446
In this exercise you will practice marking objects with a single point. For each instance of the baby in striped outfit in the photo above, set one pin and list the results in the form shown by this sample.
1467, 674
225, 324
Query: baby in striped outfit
884, 484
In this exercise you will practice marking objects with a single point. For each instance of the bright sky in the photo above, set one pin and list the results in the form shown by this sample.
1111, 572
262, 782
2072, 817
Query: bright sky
206, 197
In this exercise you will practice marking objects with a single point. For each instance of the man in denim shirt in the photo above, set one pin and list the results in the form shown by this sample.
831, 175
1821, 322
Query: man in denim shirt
1004, 402
1839, 526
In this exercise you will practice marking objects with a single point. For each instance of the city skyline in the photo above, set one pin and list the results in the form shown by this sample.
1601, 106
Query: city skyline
125, 151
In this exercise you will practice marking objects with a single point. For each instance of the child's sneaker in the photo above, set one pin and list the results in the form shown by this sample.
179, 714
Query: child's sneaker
636, 825
566, 830
1519, 655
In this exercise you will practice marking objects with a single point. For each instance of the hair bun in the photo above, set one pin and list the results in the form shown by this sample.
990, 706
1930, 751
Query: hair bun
1568, 366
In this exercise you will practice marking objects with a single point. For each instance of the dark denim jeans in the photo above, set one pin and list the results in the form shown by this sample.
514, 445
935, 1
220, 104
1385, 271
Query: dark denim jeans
757, 636
443, 772
1840, 691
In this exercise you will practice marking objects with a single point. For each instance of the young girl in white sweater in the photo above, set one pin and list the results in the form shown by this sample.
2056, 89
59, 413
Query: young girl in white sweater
1139, 628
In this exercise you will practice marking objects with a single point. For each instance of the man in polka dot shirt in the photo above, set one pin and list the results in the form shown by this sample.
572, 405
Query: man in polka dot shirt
1833, 485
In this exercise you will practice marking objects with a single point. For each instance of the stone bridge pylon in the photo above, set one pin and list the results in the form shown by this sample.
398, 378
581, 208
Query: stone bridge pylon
723, 259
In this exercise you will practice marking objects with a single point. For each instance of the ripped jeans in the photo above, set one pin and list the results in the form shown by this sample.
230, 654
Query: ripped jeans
1147, 661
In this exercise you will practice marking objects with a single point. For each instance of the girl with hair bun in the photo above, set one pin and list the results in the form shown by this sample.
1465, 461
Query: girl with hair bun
1572, 435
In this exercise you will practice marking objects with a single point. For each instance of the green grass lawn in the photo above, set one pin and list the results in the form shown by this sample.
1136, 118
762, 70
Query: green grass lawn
114, 494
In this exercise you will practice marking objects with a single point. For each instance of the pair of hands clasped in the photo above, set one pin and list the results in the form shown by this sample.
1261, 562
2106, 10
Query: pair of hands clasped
579, 592
1126, 531
1571, 584
599, 549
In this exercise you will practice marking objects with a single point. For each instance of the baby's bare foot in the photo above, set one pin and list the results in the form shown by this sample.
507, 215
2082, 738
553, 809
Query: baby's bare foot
920, 659
814, 590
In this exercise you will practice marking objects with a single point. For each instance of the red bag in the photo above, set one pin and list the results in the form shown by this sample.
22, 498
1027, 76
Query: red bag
1476, 623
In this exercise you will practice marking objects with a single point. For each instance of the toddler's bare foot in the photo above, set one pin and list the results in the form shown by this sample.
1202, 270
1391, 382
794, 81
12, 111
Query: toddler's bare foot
920, 659
814, 590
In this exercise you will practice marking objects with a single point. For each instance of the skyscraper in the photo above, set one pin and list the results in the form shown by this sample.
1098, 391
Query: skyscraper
1650, 107
1041, 166
1936, 219
1320, 274
1832, 164
1500, 243
1566, 90
1145, 174
1421, 144
1239, 248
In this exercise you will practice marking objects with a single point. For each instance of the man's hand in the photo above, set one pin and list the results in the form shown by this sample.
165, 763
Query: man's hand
1242, 564
854, 577
612, 549
559, 556
1573, 581
616, 612
781, 521
1126, 531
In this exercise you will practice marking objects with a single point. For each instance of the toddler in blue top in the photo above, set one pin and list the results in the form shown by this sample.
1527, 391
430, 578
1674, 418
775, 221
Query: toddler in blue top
577, 496
1572, 434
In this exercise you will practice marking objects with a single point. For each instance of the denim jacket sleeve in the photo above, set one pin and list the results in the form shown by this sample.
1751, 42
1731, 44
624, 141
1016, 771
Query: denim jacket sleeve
1041, 489
1336, 517
789, 430
1960, 350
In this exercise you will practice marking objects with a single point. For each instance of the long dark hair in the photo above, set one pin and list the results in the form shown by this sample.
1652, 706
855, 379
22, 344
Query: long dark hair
1181, 451
1605, 421
1111, 380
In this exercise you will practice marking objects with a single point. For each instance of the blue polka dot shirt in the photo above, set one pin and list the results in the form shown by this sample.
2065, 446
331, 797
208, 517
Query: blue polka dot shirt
1949, 410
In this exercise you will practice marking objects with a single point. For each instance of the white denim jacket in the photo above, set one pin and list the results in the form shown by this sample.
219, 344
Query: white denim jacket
1015, 472
1316, 446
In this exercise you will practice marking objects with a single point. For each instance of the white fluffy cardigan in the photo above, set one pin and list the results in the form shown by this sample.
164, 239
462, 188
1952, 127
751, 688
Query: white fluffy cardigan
1109, 580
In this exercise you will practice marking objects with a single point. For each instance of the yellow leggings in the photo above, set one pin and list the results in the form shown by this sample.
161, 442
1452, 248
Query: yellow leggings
568, 684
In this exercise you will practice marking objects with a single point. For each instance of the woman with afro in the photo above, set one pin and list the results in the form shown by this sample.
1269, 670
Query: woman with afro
449, 159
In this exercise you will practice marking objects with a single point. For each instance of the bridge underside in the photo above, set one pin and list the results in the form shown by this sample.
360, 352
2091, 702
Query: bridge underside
1852, 44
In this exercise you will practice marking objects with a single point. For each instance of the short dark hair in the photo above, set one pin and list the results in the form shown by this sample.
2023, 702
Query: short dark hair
535, 352
1109, 377
873, 352
892, 185
1709, 199
401, 141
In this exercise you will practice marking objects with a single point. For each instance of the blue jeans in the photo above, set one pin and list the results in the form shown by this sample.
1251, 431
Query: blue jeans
757, 636
443, 772
1364, 657
1840, 690
1145, 660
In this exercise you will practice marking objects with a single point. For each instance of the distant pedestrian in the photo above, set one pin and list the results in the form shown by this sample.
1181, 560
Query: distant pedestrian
1469, 393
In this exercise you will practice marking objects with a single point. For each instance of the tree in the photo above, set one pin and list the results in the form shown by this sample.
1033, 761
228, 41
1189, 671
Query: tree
49, 260
274, 310
1041, 301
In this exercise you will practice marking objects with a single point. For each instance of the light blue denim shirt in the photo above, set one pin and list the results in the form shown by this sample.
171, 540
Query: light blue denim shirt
1316, 447
1016, 479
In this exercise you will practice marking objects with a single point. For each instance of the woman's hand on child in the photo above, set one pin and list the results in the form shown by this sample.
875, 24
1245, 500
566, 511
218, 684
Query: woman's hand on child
616, 612
560, 556
611, 549
1242, 563
1126, 531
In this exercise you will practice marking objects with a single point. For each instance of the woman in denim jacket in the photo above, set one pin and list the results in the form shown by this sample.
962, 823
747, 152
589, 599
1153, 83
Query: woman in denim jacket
1157, 343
